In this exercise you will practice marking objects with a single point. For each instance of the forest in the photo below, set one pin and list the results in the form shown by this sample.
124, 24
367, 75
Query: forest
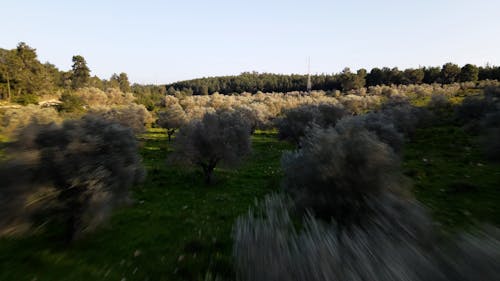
384, 174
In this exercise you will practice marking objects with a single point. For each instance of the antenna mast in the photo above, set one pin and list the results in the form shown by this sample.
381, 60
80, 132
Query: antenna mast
309, 84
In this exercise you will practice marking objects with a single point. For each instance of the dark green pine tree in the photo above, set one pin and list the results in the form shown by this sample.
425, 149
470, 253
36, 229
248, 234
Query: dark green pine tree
469, 72
124, 83
450, 73
81, 73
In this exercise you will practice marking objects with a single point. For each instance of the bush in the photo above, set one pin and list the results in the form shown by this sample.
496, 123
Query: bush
439, 102
335, 175
359, 104
93, 97
255, 117
89, 164
377, 123
295, 122
492, 93
398, 244
220, 138
71, 103
134, 116
473, 109
405, 117
16, 119
26, 99
293, 125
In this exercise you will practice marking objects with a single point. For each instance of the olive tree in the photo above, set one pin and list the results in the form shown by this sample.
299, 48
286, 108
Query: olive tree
336, 174
377, 123
220, 138
296, 121
134, 116
14, 119
171, 119
19, 182
88, 164
405, 117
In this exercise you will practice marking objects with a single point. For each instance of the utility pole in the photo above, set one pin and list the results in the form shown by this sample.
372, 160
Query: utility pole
309, 84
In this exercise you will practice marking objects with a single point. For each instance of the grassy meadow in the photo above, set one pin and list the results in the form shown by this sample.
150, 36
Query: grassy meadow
180, 229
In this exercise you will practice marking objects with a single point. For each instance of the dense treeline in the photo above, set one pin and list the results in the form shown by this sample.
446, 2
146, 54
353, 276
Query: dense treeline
25, 80
346, 80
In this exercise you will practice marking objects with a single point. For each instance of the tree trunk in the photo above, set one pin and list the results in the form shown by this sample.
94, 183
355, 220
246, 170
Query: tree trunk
75, 201
8, 87
73, 224
208, 170
208, 176
170, 132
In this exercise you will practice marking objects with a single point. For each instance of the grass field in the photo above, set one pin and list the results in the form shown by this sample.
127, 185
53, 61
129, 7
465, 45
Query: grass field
180, 229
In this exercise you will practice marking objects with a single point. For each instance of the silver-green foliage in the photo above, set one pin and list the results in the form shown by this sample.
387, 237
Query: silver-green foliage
89, 165
218, 139
396, 244
336, 173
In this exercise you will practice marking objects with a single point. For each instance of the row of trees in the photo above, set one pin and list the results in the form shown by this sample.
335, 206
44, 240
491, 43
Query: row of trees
347, 212
345, 182
23, 78
346, 80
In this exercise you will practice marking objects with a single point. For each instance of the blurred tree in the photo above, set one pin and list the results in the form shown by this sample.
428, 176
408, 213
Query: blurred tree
375, 77
413, 76
124, 83
450, 73
7, 62
350, 81
432, 75
469, 72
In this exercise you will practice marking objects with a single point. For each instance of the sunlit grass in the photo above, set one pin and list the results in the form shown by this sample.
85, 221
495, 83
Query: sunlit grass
180, 229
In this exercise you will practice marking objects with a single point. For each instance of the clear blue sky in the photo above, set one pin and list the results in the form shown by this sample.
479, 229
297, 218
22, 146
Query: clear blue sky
166, 41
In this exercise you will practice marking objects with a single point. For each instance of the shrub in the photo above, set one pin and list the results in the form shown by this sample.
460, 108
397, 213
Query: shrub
492, 93
94, 97
220, 138
15, 119
377, 123
295, 122
89, 164
473, 108
335, 175
439, 102
71, 102
405, 117
359, 104
398, 244
293, 125
26, 99
134, 116
255, 117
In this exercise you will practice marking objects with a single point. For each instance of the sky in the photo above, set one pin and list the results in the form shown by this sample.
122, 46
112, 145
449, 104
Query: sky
159, 42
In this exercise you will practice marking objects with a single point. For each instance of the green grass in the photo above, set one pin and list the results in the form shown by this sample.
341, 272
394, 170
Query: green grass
452, 177
180, 229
